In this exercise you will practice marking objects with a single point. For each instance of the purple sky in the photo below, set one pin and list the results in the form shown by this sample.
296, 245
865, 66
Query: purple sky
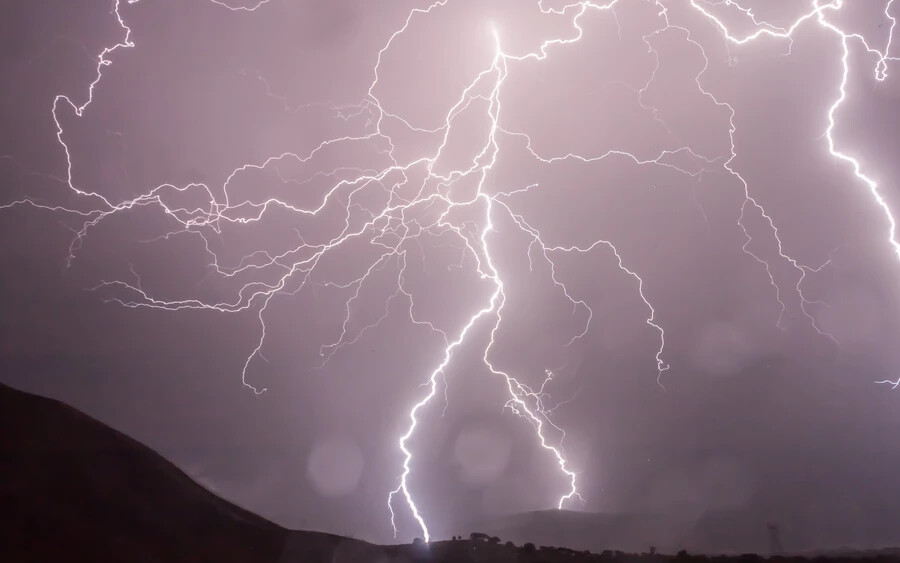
302, 198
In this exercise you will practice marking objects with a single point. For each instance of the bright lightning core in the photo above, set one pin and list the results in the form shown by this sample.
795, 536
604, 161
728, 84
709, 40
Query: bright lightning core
393, 206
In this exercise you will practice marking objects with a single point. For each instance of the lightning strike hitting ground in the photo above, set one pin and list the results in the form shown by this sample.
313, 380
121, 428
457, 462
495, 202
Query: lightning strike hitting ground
393, 228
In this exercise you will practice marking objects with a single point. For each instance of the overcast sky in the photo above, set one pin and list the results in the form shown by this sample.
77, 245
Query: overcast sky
260, 229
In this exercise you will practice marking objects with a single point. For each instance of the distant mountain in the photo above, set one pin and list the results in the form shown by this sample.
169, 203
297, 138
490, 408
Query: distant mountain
73, 489
736, 531
718, 532
579, 530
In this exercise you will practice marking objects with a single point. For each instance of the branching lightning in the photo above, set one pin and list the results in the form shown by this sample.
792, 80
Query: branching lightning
402, 221
893, 384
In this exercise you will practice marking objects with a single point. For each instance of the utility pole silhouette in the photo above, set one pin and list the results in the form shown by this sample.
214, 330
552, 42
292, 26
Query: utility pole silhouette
775, 547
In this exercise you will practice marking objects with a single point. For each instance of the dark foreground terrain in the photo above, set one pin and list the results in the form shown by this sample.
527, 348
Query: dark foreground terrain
72, 489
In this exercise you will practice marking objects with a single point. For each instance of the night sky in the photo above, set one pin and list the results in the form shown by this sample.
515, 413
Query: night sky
254, 247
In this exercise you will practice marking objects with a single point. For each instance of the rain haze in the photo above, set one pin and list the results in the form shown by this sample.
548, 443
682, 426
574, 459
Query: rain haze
493, 256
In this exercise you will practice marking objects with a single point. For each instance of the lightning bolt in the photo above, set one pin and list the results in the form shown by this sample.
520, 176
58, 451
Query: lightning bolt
418, 200
893, 384
817, 14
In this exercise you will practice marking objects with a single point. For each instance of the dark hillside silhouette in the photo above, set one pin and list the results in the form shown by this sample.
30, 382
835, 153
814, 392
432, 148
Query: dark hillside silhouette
73, 489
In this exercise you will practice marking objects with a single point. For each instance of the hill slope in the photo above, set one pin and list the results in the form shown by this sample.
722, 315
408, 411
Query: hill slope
72, 488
